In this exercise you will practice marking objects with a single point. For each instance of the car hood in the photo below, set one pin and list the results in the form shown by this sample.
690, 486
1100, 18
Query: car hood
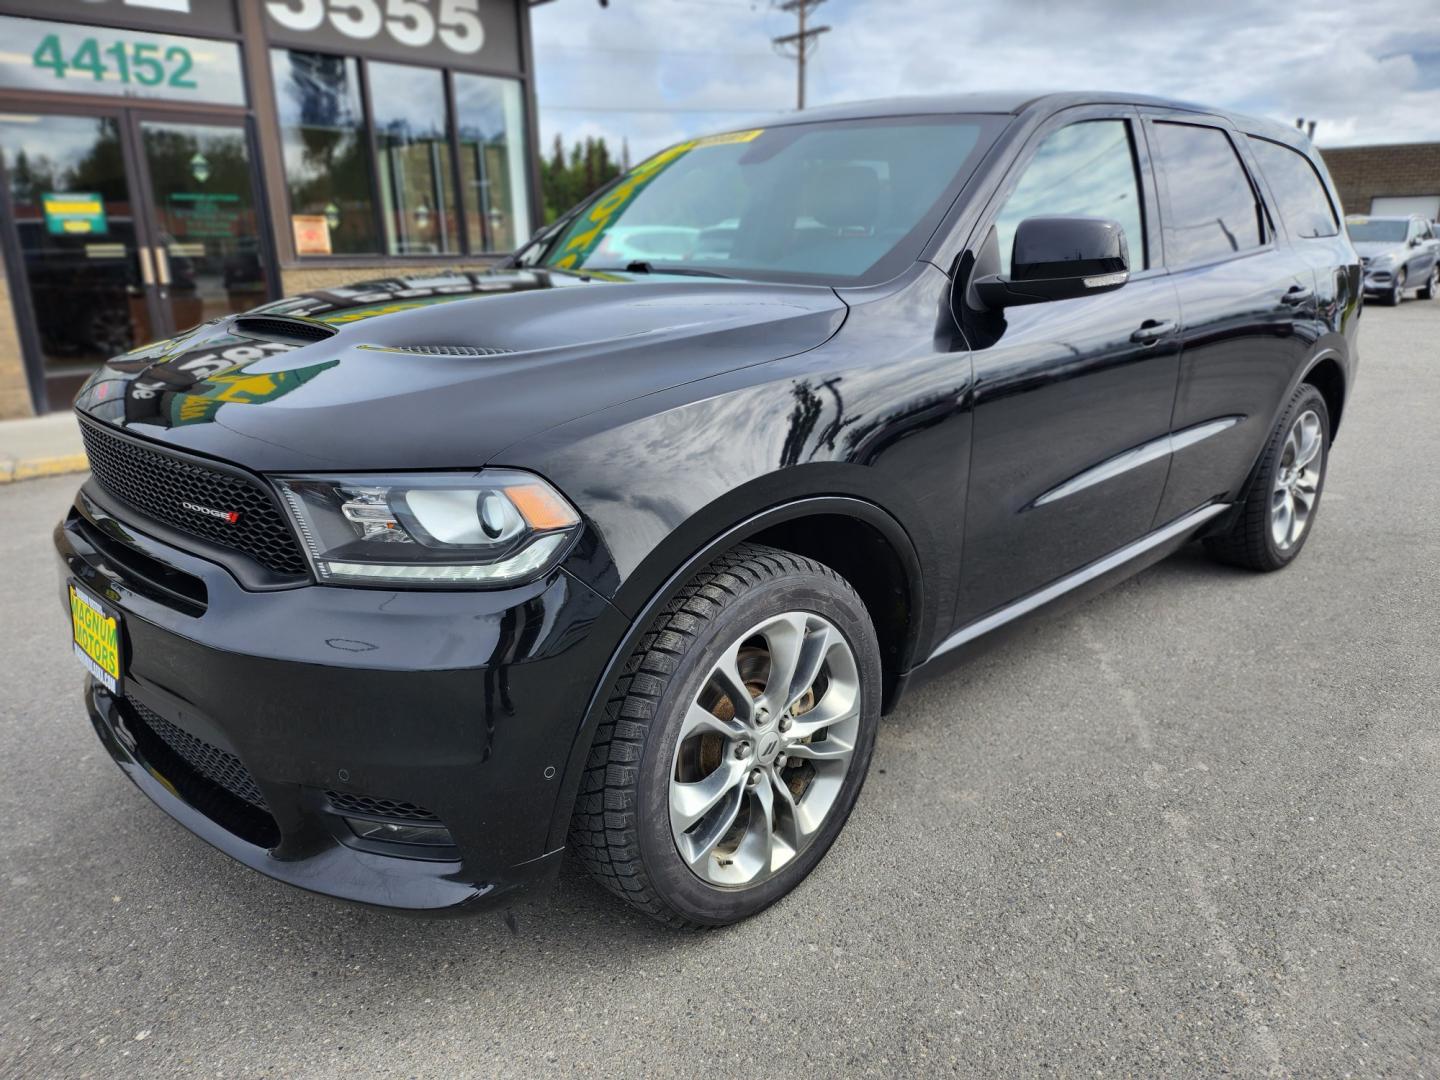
443, 371
1370, 249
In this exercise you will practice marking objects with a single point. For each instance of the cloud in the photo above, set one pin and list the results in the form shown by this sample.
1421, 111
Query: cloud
657, 71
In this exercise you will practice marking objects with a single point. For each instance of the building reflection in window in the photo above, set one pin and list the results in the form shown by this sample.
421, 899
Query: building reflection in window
412, 142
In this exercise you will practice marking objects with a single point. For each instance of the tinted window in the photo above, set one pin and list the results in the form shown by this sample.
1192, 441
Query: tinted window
491, 123
1296, 186
1086, 169
412, 140
834, 201
327, 161
1209, 208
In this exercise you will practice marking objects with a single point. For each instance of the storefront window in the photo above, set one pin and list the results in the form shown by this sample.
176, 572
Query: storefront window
490, 121
327, 162
329, 167
412, 141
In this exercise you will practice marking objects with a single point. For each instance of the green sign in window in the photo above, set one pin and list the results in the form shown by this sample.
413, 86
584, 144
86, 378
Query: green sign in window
77, 59
69, 213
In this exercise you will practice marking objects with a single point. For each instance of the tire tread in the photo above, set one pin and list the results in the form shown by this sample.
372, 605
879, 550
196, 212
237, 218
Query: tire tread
604, 830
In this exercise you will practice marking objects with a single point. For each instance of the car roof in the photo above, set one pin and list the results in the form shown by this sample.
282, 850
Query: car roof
1016, 102
1386, 217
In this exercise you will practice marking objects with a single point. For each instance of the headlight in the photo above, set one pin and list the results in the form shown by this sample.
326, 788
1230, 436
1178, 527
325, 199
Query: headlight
455, 530
1382, 262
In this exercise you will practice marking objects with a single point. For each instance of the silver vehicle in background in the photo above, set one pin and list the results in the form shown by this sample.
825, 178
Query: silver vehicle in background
1398, 253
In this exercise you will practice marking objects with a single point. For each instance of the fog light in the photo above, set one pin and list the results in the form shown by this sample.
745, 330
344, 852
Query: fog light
398, 833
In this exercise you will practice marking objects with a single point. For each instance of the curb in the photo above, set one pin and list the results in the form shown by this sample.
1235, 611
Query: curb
34, 468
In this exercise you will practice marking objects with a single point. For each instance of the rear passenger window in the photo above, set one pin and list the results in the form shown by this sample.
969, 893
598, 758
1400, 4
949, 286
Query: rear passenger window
1085, 169
1303, 204
1208, 205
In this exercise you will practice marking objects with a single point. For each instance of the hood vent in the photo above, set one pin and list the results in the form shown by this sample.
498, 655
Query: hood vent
289, 331
450, 350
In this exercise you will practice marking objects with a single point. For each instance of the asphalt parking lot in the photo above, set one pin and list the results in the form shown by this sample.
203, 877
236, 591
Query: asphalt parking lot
1191, 828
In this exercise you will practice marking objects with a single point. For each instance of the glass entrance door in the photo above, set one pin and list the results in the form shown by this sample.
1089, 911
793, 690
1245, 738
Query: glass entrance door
79, 243
127, 227
207, 244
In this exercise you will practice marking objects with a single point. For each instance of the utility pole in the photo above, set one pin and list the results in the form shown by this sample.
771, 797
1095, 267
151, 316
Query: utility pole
803, 42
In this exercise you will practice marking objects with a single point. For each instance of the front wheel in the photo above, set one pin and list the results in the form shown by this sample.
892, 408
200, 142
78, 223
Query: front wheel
735, 743
1432, 284
1397, 290
1278, 514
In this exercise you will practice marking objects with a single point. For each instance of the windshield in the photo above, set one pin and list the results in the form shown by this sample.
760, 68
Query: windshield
835, 202
1378, 230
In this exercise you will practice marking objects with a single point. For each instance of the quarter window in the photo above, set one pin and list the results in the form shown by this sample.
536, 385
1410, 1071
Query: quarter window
1086, 169
1301, 198
1208, 206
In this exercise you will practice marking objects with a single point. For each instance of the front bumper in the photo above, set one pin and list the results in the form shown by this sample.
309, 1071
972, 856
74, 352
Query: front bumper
256, 718
1379, 281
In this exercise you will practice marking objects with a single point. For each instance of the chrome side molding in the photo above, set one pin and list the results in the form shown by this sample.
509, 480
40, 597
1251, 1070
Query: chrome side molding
1134, 458
1116, 559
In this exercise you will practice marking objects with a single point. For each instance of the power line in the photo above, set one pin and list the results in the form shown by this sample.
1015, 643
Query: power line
803, 41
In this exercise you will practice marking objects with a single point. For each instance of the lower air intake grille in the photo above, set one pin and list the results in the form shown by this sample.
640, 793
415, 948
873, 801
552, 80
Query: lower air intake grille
211, 762
159, 484
347, 803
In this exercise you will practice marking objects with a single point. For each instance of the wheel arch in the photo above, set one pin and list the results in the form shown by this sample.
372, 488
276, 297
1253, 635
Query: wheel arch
1327, 376
873, 552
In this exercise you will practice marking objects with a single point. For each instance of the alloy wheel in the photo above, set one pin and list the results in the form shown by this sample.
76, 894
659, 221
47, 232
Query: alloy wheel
1297, 482
764, 749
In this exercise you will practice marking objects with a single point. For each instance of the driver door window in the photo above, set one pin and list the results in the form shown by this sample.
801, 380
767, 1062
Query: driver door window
1085, 169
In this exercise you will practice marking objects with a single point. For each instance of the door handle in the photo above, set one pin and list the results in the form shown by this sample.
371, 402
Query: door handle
147, 272
162, 264
1152, 330
1297, 294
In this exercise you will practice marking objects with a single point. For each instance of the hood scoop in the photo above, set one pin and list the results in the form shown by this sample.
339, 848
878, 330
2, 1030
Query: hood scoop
284, 329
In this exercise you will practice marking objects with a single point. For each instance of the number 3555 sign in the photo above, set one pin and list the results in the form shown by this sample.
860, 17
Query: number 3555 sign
458, 33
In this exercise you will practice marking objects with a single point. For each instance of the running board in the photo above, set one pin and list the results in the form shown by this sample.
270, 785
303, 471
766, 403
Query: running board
1113, 561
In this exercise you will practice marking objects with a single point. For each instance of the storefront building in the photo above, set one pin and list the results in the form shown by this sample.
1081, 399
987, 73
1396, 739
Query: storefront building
1394, 180
164, 162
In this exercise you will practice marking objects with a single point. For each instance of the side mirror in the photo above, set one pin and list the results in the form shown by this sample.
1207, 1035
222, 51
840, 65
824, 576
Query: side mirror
1059, 258
1415, 241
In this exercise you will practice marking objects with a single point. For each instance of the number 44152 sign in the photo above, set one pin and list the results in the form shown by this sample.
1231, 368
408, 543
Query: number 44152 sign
479, 34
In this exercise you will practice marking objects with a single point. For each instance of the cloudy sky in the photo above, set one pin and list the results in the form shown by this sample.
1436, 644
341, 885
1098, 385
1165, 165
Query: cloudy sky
656, 71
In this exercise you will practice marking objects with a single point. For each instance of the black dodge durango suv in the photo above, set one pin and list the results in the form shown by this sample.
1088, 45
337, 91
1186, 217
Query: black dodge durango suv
395, 591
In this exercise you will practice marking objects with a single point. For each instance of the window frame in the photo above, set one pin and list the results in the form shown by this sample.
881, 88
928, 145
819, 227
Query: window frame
1278, 213
1145, 177
371, 142
1265, 216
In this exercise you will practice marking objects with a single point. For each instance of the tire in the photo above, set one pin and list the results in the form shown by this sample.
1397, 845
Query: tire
1253, 539
633, 802
1397, 291
1427, 291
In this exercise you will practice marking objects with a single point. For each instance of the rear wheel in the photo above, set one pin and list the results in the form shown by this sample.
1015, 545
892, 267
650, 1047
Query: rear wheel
735, 743
1278, 514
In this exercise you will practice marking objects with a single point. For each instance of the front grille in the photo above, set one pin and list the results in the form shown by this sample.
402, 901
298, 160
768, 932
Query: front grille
216, 765
158, 483
347, 803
